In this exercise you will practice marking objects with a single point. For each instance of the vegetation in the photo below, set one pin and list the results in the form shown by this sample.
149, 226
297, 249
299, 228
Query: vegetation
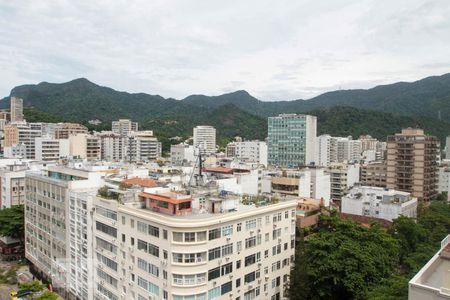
106, 193
351, 112
12, 222
342, 260
47, 295
8, 276
33, 286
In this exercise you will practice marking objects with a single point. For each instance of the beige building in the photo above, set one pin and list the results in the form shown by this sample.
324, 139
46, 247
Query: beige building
66, 129
124, 126
16, 109
85, 146
412, 163
374, 174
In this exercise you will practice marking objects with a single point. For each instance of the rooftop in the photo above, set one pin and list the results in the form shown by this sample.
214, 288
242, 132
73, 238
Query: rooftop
144, 182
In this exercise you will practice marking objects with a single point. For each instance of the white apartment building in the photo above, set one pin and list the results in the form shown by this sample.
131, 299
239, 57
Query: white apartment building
205, 138
143, 146
444, 177
250, 151
51, 149
342, 177
124, 126
377, 202
12, 185
114, 146
174, 247
182, 154
21, 133
322, 156
432, 282
57, 231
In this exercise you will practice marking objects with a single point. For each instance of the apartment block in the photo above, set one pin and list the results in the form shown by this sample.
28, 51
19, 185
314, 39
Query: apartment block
412, 163
12, 185
56, 231
51, 149
379, 203
374, 174
17, 134
182, 154
291, 140
342, 177
248, 151
16, 105
143, 146
205, 139
85, 146
114, 146
124, 126
64, 130
176, 247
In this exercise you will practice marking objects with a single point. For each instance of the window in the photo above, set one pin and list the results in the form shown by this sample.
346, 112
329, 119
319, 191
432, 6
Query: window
250, 242
107, 278
238, 282
226, 269
286, 214
267, 220
189, 237
164, 234
238, 227
227, 250
249, 277
101, 243
250, 224
147, 285
277, 217
239, 246
214, 253
189, 279
238, 264
107, 262
213, 273
107, 213
154, 231
226, 287
148, 267
177, 257
276, 233
227, 230
214, 234
214, 293
106, 229
250, 260
148, 247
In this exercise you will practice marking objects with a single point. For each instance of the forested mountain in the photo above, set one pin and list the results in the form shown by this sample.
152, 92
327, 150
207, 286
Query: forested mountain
378, 111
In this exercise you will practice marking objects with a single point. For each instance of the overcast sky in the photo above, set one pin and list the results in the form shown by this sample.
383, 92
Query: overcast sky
276, 50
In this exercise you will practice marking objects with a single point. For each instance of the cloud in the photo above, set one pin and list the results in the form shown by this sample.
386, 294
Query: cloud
276, 50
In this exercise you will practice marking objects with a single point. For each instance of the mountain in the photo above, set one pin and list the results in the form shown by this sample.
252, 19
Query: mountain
427, 97
379, 111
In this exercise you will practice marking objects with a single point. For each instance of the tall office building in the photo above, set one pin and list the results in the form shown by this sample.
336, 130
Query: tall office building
16, 109
412, 163
124, 126
291, 140
205, 139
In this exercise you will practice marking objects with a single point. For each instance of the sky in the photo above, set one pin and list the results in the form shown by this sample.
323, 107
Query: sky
276, 50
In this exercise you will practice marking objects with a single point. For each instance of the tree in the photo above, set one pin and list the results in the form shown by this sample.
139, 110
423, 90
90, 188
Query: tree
298, 287
393, 288
12, 222
346, 260
33, 286
47, 295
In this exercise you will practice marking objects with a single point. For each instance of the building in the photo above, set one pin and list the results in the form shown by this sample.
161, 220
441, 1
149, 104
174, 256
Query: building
17, 134
124, 126
374, 174
308, 212
205, 139
342, 177
51, 149
64, 130
176, 246
291, 140
432, 282
248, 151
323, 150
16, 109
182, 154
143, 146
12, 185
381, 203
412, 163
58, 228
447, 147
85, 146
113, 146
444, 176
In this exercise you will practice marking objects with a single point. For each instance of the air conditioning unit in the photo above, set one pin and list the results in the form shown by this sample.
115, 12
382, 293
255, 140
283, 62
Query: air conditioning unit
231, 276
131, 283
130, 267
228, 239
227, 258
259, 230
102, 282
252, 232
259, 265
279, 240
100, 266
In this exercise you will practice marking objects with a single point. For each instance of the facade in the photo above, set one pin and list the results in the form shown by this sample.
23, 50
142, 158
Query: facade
374, 174
205, 138
249, 151
167, 250
291, 140
432, 282
51, 149
12, 185
85, 146
55, 239
379, 203
182, 154
64, 130
323, 150
143, 146
342, 177
113, 146
124, 126
412, 163
17, 134
16, 109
